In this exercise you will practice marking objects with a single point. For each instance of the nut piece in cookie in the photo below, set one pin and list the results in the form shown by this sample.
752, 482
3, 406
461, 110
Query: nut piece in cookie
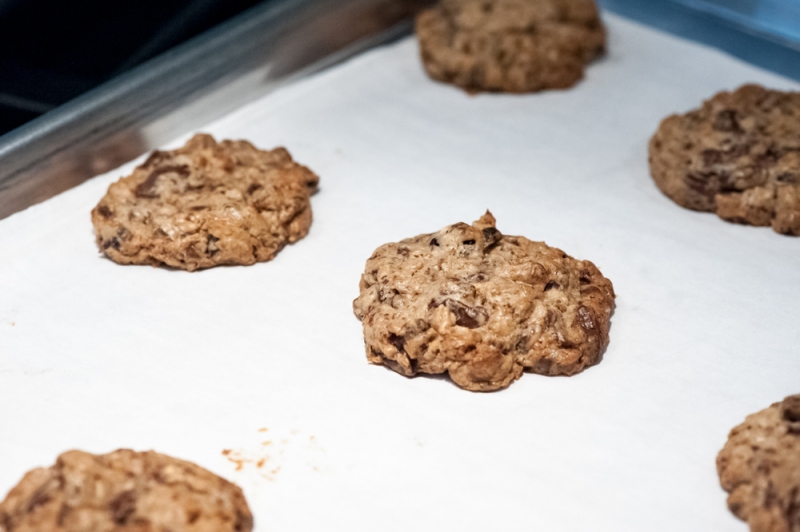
482, 307
124, 491
510, 45
206, 204
738, 156
760, 468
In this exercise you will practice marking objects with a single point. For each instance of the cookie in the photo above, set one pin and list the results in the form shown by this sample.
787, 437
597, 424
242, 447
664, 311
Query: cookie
482, 307
124, 491
204, 205
510, 45
760, 468
738, 156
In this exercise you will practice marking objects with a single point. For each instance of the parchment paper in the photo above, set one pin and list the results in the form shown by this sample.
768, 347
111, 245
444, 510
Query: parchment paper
98, 356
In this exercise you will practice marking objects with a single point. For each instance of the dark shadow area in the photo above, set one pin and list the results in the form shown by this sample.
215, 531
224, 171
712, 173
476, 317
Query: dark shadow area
51, 52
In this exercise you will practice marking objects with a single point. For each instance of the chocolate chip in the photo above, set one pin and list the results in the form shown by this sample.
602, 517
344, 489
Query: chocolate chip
726, 120
466, 316
39, 498
147, 188
112, 243
716, 157
470, 242
398, 342
550, 285
434, 242
403, 251
105, 212
491, 237
791, 409
155, 157
788, 177
252, 188
122, 507
198, 208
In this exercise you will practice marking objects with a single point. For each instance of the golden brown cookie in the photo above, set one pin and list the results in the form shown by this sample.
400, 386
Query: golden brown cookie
760, 468
510, 45
206, 204
482, 307
124, 491
738, 156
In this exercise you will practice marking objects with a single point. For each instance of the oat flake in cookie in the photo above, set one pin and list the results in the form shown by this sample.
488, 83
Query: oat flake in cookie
760, 468
206, 204
482, 307
124, 491
738, 156
510, 45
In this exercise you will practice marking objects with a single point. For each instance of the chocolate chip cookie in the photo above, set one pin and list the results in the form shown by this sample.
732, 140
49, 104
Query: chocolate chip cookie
206, 204
124, 491
510, 45
760, 468
482, 307
738, 156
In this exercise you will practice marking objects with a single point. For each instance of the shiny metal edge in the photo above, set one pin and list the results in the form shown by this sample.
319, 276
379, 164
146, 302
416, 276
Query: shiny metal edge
188, 87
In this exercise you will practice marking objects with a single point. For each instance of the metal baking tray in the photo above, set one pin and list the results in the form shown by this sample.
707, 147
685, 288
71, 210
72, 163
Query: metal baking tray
188, 86
258, 373
253, 54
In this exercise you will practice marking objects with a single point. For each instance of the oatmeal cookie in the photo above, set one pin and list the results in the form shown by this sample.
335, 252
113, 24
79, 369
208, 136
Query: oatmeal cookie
204, 205
738, 156
760, 468
510, 45
482, 307
124, 491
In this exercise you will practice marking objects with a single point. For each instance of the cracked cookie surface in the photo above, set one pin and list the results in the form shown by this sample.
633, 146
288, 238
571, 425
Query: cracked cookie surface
482, 307
124, 491
204, 205
737, 156
510, 45
760, 468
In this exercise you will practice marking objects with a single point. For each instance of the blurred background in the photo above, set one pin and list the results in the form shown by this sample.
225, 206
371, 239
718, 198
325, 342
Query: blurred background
52, 51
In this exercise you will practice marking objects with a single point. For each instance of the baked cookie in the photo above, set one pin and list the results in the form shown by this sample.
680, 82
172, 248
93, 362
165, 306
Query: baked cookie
482, 307
124, 491
760, 468
206, 204
510, 45
738, 155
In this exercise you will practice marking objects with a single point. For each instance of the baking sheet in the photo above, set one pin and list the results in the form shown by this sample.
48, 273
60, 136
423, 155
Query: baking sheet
258, 373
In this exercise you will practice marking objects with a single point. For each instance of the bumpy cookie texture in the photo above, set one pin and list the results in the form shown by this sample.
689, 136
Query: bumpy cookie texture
124, 491
482, 307
206, 204
738, 156
510, 45
760, 468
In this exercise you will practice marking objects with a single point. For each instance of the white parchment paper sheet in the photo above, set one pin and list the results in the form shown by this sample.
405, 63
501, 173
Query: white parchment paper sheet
97, 356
